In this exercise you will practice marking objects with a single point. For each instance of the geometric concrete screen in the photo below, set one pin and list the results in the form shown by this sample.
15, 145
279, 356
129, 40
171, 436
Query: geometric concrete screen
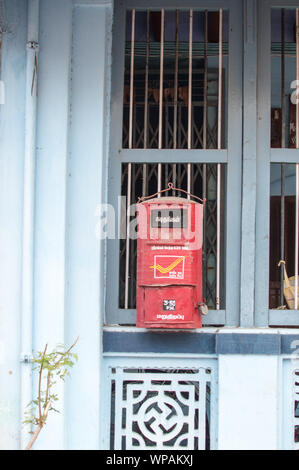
162, 408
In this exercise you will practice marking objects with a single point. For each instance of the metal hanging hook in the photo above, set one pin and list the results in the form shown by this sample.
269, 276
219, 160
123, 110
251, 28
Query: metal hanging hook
173, 188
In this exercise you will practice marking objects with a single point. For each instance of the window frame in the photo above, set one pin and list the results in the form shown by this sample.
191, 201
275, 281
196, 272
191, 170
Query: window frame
265, 157
232, 156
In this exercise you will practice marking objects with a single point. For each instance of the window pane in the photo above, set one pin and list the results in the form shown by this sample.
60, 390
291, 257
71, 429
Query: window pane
175, 81
283, 78
283, 210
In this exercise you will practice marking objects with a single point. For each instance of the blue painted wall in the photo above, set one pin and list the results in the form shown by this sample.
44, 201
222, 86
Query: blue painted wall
69, 260
70, 170
11, 202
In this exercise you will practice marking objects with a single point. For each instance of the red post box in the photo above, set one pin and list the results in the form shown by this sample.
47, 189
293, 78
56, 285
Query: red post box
169, 263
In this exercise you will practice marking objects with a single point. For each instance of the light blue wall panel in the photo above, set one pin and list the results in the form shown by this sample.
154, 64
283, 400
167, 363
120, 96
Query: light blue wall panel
249, 166
50, 210
85, 259
11, 203
70, 176
263, 166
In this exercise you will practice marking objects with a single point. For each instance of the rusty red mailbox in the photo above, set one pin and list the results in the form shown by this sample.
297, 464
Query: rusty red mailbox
169, 263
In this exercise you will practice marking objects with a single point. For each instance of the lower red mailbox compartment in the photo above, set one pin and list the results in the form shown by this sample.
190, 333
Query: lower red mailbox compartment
168, 307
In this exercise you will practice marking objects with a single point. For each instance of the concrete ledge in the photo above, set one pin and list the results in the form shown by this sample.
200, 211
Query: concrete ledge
176, 342
234, 343
159, 342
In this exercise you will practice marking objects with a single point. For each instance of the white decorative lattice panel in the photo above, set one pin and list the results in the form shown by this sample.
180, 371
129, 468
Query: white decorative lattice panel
296, 408
160, 408
289, 394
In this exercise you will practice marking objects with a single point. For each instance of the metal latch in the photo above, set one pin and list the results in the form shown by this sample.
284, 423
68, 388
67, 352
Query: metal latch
203, 309
26, 358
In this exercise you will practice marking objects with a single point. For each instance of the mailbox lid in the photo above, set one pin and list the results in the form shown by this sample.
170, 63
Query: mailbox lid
170, 218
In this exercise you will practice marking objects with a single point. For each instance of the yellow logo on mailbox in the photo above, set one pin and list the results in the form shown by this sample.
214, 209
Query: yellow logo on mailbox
168, 268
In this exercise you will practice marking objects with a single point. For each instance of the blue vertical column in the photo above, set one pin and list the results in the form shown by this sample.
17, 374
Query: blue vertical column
234, 167
85, 252
249, 165
13, 70
54, 67
263, 165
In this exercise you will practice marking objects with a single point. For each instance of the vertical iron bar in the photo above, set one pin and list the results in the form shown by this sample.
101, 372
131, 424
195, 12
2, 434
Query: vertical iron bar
129, 164
297, 165
189, 179
204, 196
132, 79
144, 179
283, 142
283, 117
161, 95
205, 86
282, 223
218, 237
166, 174
205, 115
218, 164
161, 78
179, 125
159, 177
190, 99
175, 97
174, 177
220, 82
132, 260
176, 69
128, 236
134, 127
167, 133
190, 79
146, 80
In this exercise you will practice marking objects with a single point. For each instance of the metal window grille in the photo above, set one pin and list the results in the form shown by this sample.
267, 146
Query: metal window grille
142, 179
154, 409
282, 230
285, 71
284, 200
174, 97
174, 94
